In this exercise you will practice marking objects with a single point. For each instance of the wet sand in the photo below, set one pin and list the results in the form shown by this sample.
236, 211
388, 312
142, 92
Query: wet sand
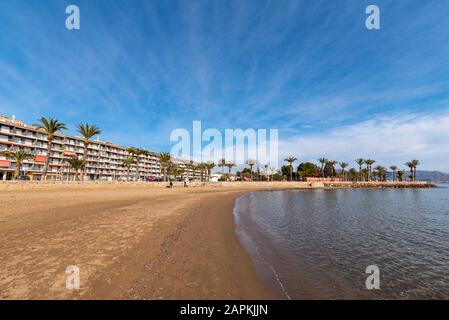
130, 242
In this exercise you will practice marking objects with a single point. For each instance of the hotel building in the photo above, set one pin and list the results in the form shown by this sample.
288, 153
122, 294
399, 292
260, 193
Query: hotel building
104, 159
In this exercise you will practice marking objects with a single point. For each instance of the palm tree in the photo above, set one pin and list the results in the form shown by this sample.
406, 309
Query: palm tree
353, 174
194, 168
323, 162
133, 151
209, 165
137, 153
141, 152
343, 166
51, 127
401, 175
229, 165
415, 163
332, 163
165, 159
77, 164
222, 164
88, 132
251, 164
128, 162
410, 165
177, 171
191, 166
18, 155
394, 169
360, 162
201, 167
369, 164
290, 160
381, 173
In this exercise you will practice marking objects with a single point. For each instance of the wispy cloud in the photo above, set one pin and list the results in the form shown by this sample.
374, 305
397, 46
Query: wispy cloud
391, 140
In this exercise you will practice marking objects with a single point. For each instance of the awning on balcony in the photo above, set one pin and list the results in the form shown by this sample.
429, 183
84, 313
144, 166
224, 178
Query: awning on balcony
40, 159
4, 163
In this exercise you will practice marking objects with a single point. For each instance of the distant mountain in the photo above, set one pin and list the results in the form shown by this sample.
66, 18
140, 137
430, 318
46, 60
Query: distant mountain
432, 176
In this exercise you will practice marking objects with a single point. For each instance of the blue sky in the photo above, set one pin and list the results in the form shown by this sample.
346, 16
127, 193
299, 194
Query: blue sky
139, 69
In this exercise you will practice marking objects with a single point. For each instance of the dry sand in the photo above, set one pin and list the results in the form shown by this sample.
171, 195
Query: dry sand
130, 242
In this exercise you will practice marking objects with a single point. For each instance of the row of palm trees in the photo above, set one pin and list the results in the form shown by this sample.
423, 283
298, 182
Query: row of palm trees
52, 126
367, 173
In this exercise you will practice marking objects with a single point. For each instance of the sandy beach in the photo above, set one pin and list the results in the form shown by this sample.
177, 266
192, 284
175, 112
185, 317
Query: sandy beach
129, 241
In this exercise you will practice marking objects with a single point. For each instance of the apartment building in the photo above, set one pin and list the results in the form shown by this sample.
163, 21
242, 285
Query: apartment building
103, 158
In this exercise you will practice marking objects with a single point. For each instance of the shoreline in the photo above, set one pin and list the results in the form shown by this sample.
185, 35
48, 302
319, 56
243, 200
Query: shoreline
219, 268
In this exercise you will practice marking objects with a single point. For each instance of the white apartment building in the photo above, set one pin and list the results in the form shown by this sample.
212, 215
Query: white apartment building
103, 158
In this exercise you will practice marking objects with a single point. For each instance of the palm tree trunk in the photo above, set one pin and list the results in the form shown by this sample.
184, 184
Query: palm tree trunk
17, 171
83, 171
138, 169
44, 175
251, 172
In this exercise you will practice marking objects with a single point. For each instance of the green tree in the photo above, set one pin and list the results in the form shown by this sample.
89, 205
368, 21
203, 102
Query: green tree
308, 169
251, 164
19, 156
323, 162
77, 164
290, 161
177, 171
329, 168
360, 162
209, 165
50, 126
414, 163
87, 131
394, 169
222, 165
128, 163
343, 166
381, 173
230, 165
137, 153
369, 165
353, 174
165, 160
401, 174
